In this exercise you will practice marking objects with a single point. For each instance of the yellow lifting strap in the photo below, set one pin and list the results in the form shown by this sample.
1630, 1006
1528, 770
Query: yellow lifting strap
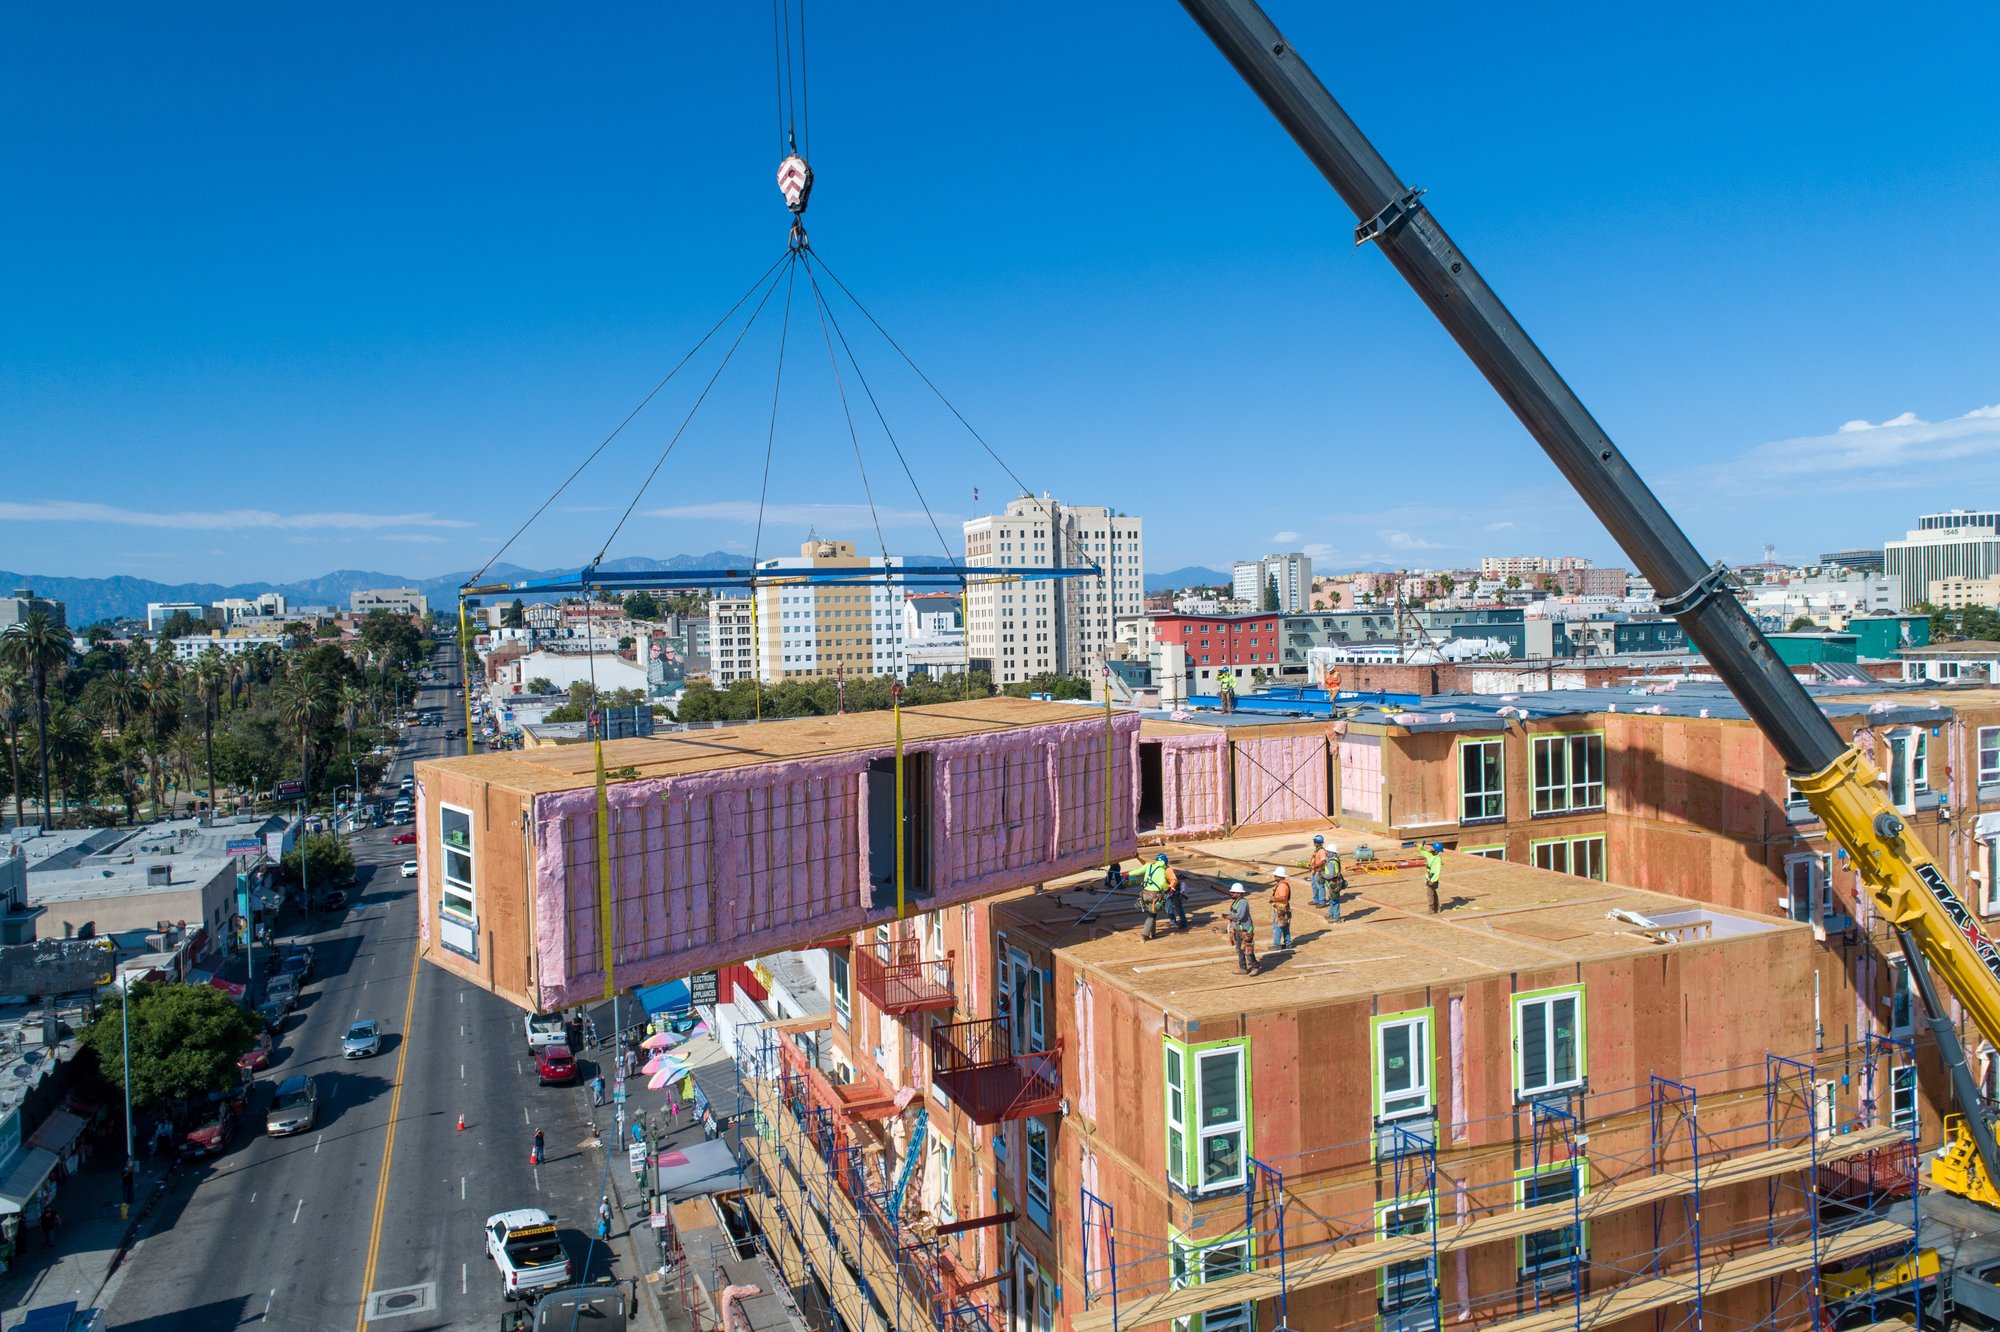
465, 669
603, 859
756, 654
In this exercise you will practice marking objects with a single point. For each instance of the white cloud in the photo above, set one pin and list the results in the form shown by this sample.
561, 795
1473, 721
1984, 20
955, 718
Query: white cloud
213, 520
424, 537
1317, 550
1499, 527
1405, 541
850, 520
1284, 538
1902, 452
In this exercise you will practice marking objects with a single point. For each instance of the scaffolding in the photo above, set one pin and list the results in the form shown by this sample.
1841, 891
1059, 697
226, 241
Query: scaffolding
1709, 1203
826, 1200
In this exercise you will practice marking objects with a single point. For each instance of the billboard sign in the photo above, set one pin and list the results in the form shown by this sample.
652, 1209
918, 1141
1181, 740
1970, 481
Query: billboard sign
291, 788
244, 846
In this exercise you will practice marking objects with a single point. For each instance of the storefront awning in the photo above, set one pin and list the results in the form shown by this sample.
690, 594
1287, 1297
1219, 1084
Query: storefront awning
22, 1177
58, 1132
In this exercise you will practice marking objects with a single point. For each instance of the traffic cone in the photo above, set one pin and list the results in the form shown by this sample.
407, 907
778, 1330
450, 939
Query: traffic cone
461, 1121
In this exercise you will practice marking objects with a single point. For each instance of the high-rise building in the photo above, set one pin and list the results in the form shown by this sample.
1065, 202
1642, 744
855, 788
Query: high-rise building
1060, 626
24, 603
1291, 572
1957, 544
806, 631
396, 600
730, 654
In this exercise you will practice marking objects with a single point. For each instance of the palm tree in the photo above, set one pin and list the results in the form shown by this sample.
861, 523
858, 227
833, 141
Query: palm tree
36, 646
71, 739
163, 718
209, 669
12, 714
127, 699
304, 701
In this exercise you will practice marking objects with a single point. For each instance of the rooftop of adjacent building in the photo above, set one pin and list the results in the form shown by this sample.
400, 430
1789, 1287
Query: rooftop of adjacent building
1499, 918
78, 864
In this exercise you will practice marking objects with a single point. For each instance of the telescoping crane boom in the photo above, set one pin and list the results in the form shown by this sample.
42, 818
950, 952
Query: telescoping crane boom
1933, 927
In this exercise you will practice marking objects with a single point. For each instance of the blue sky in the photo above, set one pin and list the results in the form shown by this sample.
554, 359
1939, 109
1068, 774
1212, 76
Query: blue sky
292, 289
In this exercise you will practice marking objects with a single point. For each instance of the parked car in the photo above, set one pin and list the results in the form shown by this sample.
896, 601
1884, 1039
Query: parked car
283, 986
295, 1109
363, 1038
296, 967
409, 869
403, 839
527, 1251
272, 1011
258, 1056
544, 1029
336, 900
555, 1064
211, 1136
304, 951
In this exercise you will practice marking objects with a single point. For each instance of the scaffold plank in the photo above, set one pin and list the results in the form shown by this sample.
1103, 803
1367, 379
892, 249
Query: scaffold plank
1328, 1266
790, 1252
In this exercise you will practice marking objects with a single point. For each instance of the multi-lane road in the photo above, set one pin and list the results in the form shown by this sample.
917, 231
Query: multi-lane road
373, 1219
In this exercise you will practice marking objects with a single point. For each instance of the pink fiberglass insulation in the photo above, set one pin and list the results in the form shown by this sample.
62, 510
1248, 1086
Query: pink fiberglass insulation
1280, 778
1194, 784
715, 867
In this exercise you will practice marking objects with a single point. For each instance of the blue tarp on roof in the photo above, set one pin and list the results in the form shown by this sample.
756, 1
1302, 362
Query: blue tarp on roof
666, 997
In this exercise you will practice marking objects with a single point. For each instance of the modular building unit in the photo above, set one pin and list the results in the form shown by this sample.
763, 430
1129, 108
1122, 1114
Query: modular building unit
750, 839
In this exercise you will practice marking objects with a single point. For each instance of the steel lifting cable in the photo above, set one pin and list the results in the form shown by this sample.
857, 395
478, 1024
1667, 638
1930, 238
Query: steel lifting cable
629, 417
764, 491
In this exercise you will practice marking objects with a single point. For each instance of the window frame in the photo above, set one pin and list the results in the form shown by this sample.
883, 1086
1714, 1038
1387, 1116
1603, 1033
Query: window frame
1034, 1131
1579, 1038
1494, 851
1493, 800
1173, 1070
1570, 846
1988, 776
1528, 1177
1195, 1057
1419, 1020
839, 977
1190, 1263
450, 887
1567, 794
1903, 1088
1393, 1220
1902, 996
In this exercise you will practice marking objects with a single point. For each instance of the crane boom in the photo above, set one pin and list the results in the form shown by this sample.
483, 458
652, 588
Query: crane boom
1934, 928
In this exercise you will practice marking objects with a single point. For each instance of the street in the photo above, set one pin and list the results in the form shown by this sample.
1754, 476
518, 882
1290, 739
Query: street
374, 1215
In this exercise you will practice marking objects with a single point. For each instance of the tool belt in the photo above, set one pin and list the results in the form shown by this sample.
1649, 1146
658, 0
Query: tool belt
1149, 902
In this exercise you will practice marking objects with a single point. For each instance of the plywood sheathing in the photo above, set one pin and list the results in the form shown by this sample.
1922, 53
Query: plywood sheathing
1502, 919
745, 840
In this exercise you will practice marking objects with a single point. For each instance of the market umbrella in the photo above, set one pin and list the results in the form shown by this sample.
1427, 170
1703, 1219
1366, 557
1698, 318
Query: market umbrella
659, 1040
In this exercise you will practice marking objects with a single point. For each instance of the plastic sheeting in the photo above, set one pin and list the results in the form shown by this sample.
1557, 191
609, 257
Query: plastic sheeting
780, 850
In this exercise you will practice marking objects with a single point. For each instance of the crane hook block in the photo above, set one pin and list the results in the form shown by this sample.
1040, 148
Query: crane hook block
795, 181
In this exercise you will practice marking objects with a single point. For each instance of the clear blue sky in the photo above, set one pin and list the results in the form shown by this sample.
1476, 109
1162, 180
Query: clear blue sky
290, 289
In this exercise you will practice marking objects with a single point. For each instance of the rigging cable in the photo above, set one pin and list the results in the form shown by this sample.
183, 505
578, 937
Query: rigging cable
764, 491
557, 494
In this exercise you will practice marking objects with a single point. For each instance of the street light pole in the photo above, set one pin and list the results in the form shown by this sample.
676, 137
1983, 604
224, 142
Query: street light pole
125, 1023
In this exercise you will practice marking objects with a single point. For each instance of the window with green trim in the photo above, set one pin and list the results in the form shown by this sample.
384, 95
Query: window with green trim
1219, 1105
1036, 1134
1176, 1117
1548, 1041
456, 895
1403, 1065
1482, 792
1191, 1265
1405, 1290
1569, 773
1555, 1247
1581, 856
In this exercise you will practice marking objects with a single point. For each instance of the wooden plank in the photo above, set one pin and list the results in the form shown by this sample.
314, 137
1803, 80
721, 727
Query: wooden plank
788, 1249
1370, 1255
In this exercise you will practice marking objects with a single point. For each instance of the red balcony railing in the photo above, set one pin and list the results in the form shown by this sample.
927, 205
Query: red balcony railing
897, 979
867, 1097
978, 1067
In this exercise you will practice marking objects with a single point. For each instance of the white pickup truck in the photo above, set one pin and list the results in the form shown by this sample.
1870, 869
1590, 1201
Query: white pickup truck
544, 1029
525, 1247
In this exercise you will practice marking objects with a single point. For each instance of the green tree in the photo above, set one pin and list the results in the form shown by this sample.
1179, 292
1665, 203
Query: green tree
514, 616
1270, 593
37, 647
1061, 686
305, 703
13, 684
1514, 581
1801, 624
541, 684
185, 1041
328, 861
641, 606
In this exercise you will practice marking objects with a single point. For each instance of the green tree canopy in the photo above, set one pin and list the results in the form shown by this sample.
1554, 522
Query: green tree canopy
1270, 593
1061, 686
641, 605
185, 1040
328, 861
541, 684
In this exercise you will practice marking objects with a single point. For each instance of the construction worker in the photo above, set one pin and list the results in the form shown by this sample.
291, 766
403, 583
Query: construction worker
1225, 685
1281, 907
1336, 881
1165, 886
1242, 931
1152, 894
1433, 870
1316, 867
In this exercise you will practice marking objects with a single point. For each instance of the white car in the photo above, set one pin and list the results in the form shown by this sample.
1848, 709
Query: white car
409, 869
525, 1247
362, 1040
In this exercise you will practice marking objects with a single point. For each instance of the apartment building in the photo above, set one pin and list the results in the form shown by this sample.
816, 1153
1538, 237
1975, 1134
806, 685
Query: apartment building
396, 600
1958, 593
1957, 544
1290, 576
1060, 626
18, 607
732, 655
806, 631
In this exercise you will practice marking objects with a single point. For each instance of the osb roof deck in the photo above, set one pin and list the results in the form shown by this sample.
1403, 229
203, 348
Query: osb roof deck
680, 753
1499, 918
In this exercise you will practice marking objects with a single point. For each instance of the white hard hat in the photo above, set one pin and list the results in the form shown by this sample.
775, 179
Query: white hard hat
1280, 872
1236, 890
1333, 847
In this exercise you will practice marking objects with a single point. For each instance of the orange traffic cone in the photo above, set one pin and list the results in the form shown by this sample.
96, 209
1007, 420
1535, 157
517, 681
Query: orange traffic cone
461, 1122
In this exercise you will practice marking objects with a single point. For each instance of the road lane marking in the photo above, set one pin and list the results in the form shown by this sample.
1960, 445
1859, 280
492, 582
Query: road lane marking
524, 1116
538, 1179
462, 1275
297, 1210
388, 1146
461, 1072
461, 1188
267, 1303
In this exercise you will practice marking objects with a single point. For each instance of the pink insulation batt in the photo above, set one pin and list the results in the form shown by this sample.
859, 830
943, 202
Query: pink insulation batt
714, 867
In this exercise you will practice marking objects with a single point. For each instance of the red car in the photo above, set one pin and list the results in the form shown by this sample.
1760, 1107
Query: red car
257, 1056
554, 1063
403, 839
210, 1138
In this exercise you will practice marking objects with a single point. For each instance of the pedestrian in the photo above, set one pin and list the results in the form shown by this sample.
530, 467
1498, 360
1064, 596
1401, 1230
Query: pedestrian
128, 1180
535, 1155
604, 1217
1433, 871
1225, 687
49, 1220
597, 1090
1242, 931
1281, 907
674, 1107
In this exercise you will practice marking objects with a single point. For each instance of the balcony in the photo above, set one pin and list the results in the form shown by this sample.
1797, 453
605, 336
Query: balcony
978, 1065
867, 1097
897, 979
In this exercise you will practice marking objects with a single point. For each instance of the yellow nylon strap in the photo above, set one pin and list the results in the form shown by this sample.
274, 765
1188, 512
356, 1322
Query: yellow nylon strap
604, 862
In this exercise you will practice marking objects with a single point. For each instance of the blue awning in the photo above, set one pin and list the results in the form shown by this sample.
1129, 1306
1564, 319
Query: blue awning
666, 997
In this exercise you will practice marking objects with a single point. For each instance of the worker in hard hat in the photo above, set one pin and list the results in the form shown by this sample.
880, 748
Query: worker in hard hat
1165, 886
1153, 893
1281, 907
1433, 870
1225, 688
1242, 932
1316, 869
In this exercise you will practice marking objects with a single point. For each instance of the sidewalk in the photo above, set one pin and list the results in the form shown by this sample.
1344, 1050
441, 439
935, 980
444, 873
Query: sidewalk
631, 1237
90, 1241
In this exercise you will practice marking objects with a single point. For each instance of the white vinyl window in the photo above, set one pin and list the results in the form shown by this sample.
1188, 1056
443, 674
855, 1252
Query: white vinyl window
1026, 1008
1903, 1097
1555, 1247
1481, 787
836, 972
1989, 755
1036, 1135
1581, 856
1406, 1289
1902, 999
1403, 1066
1548, 1041
1220, 1111
456, 897
1219, 1261
1176, 1079
1569, 773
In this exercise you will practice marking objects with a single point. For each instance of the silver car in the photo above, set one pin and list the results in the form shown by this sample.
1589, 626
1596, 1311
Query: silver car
362, 1040
295, 1109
